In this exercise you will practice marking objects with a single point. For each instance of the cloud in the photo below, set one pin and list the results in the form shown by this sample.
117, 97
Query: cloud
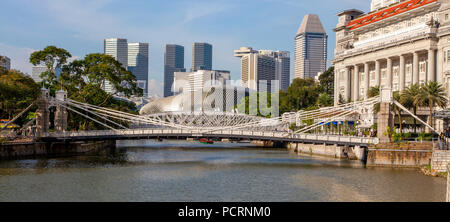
203, 9
19, 56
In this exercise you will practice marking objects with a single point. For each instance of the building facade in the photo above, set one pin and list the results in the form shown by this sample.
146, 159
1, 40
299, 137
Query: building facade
377, 4
201, 56
199, 79
310, 48
117, 48
173, 62
138, 60
5, 62
393, 47
36, 72
264, 65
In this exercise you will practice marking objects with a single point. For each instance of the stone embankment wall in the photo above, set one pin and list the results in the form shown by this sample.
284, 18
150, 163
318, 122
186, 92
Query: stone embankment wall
335, 151
440, 161
400, 155
33, 150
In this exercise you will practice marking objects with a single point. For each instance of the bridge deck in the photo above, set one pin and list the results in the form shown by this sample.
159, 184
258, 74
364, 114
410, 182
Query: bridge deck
220, 134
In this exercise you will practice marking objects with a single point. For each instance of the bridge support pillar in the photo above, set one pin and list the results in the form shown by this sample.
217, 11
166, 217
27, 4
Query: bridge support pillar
385, 116
385, 120
43, 114
61, 113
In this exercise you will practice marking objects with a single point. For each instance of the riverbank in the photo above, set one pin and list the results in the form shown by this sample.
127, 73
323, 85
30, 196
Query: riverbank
21, 150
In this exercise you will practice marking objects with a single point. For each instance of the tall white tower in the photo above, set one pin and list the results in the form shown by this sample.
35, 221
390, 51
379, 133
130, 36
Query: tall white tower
117, 48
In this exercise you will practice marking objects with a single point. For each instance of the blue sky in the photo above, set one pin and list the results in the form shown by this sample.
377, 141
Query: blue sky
81, 25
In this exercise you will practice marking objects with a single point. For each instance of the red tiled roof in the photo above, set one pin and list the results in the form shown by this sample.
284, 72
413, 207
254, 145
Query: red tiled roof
388, 12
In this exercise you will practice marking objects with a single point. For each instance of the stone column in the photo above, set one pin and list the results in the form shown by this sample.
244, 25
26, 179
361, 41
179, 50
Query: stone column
385, 118
367, 79
389, 73
43, 114
415, 68
61, 113
377, 73
337, 82
356, 83
402, 73
348, 84
431, 75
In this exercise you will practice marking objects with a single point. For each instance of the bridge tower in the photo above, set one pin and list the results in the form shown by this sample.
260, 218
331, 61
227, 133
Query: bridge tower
43, 113
385, 116
61, 112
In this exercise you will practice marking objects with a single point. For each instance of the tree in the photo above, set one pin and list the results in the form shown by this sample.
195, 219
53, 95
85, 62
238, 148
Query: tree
53, 58
327, 82
84, 81
302, 94
17, 92
408, 100
431, 94
374, 91
324, 100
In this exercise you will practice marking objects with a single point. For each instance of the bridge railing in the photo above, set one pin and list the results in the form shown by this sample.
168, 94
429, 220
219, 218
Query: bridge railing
202, 133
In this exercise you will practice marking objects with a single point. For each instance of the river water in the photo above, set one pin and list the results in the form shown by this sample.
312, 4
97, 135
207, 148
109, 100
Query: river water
192, 172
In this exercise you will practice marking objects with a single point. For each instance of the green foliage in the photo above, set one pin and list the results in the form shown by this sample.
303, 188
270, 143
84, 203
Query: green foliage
326, 80
260, 108
302, 94
52, 58
324, 100
17, 92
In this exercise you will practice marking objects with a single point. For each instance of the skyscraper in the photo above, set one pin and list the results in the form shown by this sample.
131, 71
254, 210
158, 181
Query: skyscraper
310, 48
173, 62
117, 48
5, 62
201, 56
264, 65
38, 70
138, 63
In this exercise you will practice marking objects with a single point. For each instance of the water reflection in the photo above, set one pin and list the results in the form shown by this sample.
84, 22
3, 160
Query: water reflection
180, 171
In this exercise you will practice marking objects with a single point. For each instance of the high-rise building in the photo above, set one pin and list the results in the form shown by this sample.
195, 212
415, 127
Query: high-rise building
199, 79
201, 56
264, 65
117, 48
310, 48
5, 62
173, 62
38, 70
138, 63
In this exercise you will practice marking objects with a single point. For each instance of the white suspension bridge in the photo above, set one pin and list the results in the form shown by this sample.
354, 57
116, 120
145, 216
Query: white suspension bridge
220, 125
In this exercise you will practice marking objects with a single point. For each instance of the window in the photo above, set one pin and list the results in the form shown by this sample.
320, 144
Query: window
448, 55
383, 73
446, 17
422, 67
395, 71
372, 75
395, 87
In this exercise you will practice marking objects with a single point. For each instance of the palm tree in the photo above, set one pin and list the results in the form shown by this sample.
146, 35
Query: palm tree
407, 99
432, 94
374, 91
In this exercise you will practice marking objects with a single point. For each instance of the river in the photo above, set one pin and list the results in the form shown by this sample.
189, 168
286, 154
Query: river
192, 172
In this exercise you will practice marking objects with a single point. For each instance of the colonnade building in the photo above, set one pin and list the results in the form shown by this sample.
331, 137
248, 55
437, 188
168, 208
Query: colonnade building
393, 47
